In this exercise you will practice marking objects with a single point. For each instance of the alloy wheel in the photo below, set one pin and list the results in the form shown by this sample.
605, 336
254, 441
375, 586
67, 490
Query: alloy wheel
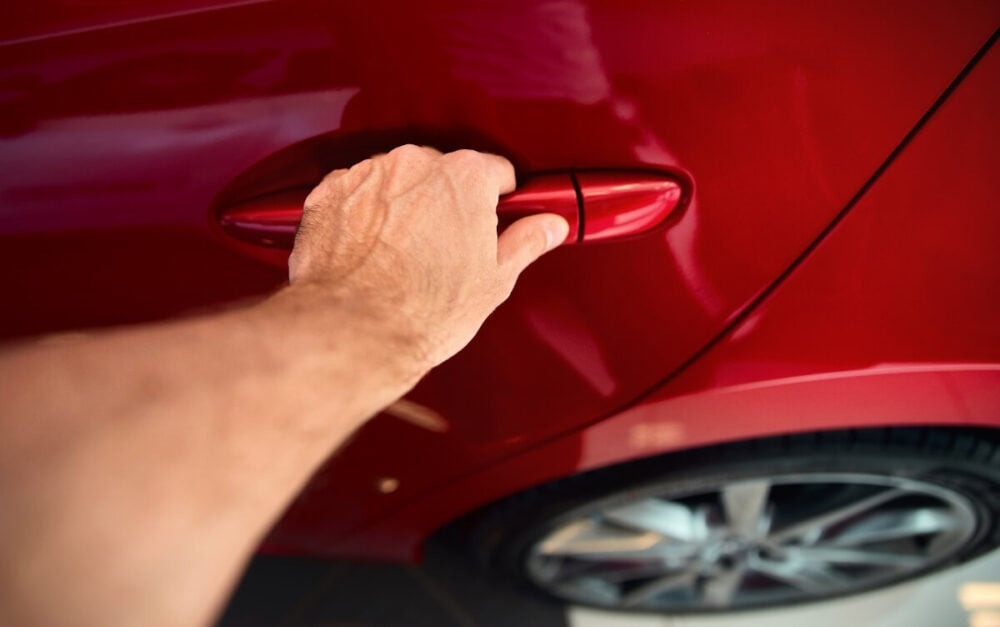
750, 542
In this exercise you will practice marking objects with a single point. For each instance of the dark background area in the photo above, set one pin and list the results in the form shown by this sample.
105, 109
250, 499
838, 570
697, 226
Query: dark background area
447, 590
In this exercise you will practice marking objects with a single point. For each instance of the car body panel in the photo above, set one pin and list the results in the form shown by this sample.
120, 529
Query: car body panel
120, 138
892, 321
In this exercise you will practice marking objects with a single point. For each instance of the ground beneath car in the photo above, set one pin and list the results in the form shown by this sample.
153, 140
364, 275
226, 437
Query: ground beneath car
447, 592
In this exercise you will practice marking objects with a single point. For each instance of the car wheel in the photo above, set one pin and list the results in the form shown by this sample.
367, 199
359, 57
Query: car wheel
752, 524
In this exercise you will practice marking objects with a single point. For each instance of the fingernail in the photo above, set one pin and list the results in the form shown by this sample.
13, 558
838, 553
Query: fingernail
556, 231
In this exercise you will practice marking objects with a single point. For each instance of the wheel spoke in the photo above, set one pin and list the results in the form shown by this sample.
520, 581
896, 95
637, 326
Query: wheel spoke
671, 520
745, 505
658, 586
834, 555
720, 590
809, 577
883, 526
634, 571
834, 516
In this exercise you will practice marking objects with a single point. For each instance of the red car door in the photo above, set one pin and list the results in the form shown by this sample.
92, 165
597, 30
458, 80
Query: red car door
123, 130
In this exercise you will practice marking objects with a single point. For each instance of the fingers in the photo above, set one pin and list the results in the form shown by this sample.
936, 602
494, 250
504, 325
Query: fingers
482, 165
502, 172
526, 240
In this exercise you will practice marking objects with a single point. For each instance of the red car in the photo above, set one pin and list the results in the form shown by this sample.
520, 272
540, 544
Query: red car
767, 370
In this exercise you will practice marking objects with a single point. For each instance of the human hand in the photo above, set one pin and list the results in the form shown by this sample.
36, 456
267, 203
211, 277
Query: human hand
395, 267
408, 241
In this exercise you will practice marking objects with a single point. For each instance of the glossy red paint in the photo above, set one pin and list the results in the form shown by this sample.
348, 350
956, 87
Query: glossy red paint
123, 129
891, 321
269, 221
619, 204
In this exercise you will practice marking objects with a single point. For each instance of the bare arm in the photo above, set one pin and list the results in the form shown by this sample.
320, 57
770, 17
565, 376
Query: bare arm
140, 467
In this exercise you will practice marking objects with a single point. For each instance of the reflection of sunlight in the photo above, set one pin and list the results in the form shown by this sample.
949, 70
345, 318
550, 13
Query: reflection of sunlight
875, 370
487, 47
108, 15
982, 600
683, 245
977, 595
148, 151
566, 334
418, 415
682, 238
984, 619
656, 436
387, 485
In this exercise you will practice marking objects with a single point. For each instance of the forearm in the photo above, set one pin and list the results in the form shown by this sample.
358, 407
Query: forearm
138, 468
189, 477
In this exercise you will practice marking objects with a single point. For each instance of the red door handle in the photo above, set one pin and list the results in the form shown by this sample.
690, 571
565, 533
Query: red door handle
597, 205
620, 204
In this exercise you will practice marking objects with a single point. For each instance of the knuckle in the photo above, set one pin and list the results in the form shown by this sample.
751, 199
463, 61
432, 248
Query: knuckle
405, 149
360, 165
465, 157
409, 152
469, 167
467, 162
325, 187
334, 176
465, 154
314, 198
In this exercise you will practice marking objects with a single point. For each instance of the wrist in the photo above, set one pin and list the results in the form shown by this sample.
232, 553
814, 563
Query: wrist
335, 327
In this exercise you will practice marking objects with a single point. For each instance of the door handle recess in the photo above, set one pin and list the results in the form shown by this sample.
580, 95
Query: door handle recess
599, 206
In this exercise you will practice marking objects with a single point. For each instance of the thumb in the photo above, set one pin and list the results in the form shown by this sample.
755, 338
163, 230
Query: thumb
528, 239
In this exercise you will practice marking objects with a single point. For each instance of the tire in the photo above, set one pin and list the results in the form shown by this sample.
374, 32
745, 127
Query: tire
934, 495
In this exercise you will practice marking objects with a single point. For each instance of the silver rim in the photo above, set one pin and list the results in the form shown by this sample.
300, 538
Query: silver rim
750, 542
